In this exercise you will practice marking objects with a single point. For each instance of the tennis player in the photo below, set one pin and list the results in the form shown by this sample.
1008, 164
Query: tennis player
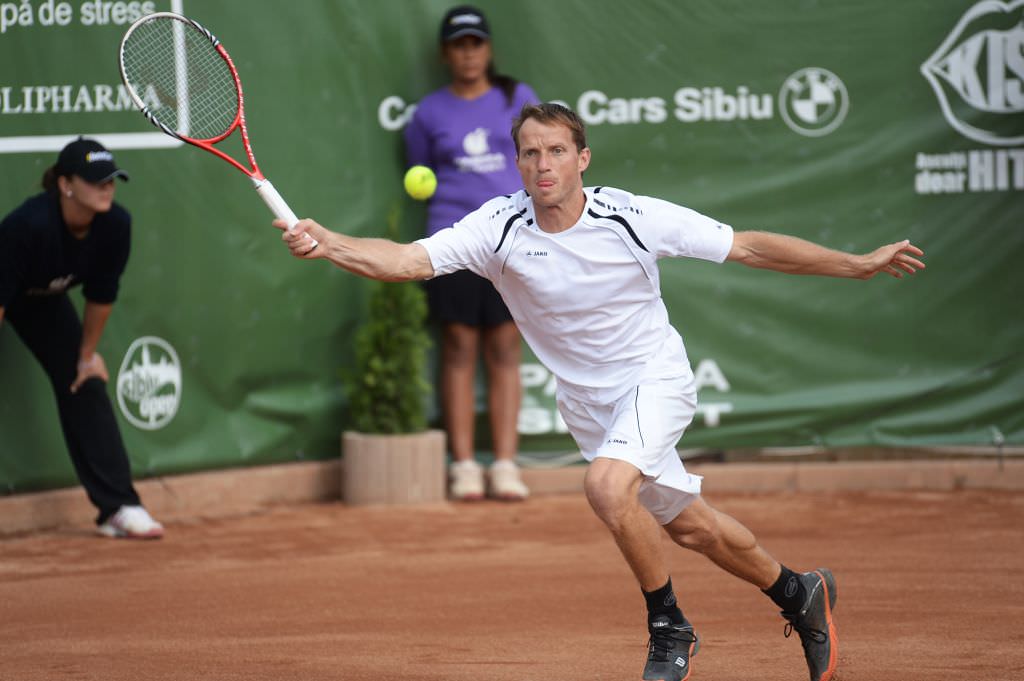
577, 268
74, 233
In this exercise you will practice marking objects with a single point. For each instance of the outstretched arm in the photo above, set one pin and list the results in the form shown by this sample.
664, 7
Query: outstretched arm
373, 258
796, 256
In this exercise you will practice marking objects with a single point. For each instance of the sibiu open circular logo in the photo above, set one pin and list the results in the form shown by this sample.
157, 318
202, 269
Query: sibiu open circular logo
149, 383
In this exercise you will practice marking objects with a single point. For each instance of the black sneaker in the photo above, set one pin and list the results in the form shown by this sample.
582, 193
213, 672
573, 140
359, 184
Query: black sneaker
814, 624
669, 650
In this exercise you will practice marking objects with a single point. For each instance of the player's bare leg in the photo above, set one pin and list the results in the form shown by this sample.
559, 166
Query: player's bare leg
611, 487
459, 347
502, 350
728, 544
806, 599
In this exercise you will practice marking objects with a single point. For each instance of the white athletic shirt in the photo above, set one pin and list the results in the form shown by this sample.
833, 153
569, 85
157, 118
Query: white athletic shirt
588, 299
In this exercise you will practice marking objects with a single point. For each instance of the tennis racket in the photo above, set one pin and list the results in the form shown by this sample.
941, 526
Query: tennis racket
183, 80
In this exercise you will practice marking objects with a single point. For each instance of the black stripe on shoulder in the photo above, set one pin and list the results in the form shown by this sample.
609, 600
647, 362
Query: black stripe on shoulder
508, 226
622, 221
597, 189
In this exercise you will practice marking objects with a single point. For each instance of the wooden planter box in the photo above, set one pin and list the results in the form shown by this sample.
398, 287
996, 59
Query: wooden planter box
393, 469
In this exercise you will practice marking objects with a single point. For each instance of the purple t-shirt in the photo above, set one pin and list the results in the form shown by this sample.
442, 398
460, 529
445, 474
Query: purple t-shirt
468, 144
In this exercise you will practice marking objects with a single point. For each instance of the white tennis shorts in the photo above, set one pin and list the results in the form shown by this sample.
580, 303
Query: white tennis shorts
642, 428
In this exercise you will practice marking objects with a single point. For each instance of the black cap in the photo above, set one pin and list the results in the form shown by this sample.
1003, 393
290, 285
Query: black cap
90, 160
464, 20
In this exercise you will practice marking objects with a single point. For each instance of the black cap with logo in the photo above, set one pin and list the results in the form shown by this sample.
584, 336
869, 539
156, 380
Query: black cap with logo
464, 20
90, 160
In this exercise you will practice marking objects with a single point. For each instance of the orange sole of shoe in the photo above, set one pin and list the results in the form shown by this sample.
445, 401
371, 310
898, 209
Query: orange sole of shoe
833, 651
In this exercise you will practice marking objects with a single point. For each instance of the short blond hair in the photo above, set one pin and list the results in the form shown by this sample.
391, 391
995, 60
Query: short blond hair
551, 113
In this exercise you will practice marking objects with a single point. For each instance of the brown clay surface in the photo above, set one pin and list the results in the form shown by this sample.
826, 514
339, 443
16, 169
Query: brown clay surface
929, 587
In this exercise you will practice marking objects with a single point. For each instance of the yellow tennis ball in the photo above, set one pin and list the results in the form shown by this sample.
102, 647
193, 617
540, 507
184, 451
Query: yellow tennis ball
420, 182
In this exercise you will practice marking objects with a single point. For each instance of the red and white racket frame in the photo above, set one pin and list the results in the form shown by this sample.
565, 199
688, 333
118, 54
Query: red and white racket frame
263, 186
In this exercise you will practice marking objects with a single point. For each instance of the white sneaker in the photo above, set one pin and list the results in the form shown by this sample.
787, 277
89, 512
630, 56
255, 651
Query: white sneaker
131, 522
466, 481
506, 483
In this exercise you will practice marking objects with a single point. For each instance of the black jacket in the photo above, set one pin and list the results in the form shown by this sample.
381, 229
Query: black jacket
39, 256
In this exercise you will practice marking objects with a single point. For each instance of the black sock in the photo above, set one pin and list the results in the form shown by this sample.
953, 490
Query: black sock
787, 592
663, 602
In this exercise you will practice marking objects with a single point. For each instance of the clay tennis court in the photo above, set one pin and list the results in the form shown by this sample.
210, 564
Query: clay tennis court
929, 587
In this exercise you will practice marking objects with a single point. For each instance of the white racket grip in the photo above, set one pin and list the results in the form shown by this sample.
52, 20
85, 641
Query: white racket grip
278, 206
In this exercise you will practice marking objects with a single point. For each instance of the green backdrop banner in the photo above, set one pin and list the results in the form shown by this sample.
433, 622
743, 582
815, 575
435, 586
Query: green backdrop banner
851, 124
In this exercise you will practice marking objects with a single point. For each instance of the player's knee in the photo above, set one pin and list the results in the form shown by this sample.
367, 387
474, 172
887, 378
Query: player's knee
610, 503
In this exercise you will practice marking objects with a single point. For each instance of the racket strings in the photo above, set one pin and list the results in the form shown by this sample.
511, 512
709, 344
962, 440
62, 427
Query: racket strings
181, 78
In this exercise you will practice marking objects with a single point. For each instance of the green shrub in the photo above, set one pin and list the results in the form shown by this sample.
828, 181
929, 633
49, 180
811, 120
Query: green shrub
389, 389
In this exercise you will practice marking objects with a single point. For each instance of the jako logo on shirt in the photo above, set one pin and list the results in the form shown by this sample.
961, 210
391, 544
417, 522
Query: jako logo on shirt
977, 73
149, 383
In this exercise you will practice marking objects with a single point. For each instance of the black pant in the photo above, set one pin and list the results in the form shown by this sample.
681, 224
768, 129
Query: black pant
50, 327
